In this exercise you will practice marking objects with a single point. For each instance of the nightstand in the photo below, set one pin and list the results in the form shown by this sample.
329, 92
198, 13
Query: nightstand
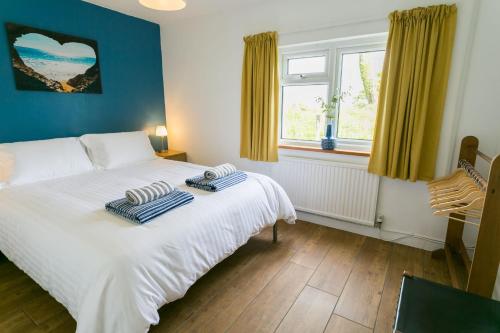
171, 154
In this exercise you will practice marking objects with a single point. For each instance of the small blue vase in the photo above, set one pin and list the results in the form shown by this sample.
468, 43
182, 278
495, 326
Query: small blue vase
328, 142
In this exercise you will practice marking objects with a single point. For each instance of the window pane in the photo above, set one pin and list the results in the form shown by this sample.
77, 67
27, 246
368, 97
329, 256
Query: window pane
302, 116
360, 84
307, 65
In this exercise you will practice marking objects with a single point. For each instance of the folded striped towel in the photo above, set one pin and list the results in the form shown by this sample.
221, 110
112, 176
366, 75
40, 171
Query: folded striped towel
140, 196
217, 184
220, 171
143, 213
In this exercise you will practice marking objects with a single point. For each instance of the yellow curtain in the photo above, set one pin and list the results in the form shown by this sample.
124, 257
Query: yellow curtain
413, 92
259, 98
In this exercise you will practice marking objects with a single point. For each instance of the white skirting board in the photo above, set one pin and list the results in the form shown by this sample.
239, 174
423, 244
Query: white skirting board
413, 240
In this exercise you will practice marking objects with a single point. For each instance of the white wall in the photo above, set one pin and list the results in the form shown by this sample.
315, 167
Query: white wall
481, 103
481, 100
202, 64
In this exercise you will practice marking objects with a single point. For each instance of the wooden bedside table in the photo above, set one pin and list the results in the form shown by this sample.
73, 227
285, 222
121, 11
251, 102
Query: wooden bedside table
171, 154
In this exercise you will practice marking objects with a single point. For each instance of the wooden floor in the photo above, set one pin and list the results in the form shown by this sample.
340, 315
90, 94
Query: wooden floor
315, 279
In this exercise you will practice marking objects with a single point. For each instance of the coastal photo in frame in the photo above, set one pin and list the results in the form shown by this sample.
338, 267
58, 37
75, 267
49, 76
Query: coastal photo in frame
50, 61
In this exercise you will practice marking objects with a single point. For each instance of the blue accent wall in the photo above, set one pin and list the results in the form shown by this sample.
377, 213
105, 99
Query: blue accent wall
131, 74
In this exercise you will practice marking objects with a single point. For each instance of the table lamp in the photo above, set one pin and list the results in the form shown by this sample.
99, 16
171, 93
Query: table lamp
161, 131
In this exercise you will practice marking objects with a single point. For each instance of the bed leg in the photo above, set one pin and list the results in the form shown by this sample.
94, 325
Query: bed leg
275, 232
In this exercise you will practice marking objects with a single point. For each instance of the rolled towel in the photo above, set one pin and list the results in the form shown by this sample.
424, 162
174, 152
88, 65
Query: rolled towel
140, 196
220, 171
217, 184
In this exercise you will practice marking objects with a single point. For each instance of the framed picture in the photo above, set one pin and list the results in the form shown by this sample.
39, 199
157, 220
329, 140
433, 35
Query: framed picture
50, 61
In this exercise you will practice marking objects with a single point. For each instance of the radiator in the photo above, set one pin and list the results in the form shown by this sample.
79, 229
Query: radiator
338, 190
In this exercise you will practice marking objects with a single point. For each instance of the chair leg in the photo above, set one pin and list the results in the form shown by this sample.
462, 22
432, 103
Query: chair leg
275, 232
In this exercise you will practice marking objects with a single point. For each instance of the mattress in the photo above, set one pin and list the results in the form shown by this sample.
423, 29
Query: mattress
113, 275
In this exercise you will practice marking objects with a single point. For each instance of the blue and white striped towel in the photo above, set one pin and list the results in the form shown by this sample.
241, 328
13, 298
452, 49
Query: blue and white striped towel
217, 184
220, 171
140, 196
143, 213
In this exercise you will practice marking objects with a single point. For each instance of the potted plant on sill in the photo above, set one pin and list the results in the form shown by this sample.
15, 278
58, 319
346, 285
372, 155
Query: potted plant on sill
328, 142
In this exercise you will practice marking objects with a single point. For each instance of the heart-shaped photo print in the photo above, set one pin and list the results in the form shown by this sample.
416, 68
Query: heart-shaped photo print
45, 60
49, 58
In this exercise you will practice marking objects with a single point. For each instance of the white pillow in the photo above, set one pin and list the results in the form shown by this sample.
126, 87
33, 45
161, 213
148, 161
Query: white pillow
34, 161
108, 151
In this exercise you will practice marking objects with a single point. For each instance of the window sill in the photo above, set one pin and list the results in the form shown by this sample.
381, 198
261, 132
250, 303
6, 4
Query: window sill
319, 150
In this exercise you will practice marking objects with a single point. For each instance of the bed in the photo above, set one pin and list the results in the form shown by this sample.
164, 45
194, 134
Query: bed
110, 274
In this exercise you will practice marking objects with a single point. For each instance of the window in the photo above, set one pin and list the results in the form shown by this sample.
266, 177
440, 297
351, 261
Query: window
301, 113
307, 65
350, 68
306, 79
359, 83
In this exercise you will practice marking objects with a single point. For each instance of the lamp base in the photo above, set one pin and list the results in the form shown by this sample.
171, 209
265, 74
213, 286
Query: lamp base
164, 145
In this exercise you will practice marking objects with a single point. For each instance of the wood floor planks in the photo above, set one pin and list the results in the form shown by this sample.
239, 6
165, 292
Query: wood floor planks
333, 272
314, 279
59, 324
175, 314
403, 258
311, 254
361, 296
338, 324
17, 321
42, 308
310, 312
239, 293
436, 269
267, 310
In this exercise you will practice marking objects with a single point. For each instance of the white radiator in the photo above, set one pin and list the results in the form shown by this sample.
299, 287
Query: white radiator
338, 190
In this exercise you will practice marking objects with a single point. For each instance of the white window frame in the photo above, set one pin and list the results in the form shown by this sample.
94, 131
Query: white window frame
306, 77
333, 50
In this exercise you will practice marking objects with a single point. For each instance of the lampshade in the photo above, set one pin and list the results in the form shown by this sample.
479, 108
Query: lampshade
170, 5
161, 131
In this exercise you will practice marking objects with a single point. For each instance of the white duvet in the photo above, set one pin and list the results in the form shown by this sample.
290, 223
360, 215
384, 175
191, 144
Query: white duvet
110, 274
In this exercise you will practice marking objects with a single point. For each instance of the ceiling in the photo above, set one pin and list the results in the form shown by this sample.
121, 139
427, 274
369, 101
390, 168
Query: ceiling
194, 8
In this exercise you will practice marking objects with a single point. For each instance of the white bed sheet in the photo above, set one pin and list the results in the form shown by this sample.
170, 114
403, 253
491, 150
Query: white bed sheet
110, 274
